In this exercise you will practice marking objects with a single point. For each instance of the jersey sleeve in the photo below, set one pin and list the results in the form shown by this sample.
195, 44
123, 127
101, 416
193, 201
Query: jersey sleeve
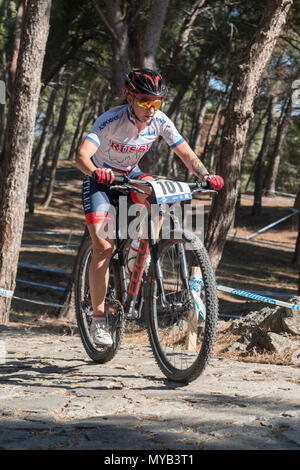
102, 125
169, 132
94, 135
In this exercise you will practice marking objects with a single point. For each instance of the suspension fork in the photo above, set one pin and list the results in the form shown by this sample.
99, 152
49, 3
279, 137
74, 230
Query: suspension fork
180, 251
153, 245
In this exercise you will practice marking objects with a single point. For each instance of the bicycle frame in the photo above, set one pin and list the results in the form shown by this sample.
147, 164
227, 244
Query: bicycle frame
132, 290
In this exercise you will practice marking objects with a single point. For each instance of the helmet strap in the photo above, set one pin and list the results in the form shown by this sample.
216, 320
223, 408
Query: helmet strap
133, 114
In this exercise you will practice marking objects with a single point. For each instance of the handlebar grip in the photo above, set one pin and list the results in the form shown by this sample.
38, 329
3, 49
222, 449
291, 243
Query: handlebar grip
204, 184
120, 178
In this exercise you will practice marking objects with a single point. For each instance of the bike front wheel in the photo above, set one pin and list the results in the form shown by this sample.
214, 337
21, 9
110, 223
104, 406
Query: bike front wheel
182, 334
115, 318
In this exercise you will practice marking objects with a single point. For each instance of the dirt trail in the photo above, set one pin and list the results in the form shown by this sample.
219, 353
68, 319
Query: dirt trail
53, 397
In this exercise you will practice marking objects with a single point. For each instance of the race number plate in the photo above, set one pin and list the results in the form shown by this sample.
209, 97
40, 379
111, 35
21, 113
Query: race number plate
170, 191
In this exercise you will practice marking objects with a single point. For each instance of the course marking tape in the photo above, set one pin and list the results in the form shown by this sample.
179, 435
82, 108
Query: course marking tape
294, 211
32, 245
44, 268
54, 233
267, 293
249, 295
225, 315
260, 242
278, 192
48, 286
6, 293
264, 294
40, 302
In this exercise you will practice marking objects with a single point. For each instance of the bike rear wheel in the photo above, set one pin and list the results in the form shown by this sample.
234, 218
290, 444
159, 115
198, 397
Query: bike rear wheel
182, 337
115, 318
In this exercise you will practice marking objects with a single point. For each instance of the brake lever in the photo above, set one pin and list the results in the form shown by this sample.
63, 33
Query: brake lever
116, 187
125, 188
134, 188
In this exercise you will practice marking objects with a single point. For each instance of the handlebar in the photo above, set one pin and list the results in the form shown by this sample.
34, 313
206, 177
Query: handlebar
128, 183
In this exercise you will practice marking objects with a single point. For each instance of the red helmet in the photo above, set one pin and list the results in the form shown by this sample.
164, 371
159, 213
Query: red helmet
145, 82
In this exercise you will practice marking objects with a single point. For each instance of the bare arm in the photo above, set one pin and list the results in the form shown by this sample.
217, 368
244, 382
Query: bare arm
83, 158
190, 159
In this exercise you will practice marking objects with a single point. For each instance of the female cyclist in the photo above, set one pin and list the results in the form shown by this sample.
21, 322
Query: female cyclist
117, 141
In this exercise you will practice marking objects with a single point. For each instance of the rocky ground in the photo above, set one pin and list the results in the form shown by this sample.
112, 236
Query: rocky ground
53, 397
273, 329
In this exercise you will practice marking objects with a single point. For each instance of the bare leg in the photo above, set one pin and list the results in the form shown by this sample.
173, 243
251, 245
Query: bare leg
99, 269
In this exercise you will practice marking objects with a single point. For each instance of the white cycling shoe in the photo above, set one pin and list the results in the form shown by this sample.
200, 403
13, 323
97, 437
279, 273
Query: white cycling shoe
100, 333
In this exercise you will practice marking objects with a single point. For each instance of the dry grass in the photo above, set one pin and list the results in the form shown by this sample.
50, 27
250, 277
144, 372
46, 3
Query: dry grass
225, 338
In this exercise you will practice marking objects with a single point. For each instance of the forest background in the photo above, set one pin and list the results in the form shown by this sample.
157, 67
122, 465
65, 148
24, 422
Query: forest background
232, 69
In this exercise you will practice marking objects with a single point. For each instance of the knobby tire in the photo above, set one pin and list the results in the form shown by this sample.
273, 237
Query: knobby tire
157, 327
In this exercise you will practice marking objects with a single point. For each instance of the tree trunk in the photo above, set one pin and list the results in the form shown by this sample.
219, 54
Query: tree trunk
272, 170
18, 145
49, 150
172, 109
16, 47
10, 72
296, 257
256, 209
150, 161
116, 23
60, 136
78, 127
153, 31
199, 120
214, 121
86, 120
238, 115
248, 145
184, 36
41, 148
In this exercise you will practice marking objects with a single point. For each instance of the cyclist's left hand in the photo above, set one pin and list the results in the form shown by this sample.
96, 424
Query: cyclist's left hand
214, 182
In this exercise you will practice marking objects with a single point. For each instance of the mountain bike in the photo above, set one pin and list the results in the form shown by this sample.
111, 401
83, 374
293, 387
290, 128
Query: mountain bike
172, 286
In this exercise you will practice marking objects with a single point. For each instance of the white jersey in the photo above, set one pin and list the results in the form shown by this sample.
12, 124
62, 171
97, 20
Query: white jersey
120, 145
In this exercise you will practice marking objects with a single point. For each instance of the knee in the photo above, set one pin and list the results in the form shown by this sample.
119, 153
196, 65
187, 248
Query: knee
102, 249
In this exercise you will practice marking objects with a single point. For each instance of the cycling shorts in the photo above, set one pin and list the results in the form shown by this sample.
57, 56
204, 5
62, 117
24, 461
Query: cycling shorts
96, 198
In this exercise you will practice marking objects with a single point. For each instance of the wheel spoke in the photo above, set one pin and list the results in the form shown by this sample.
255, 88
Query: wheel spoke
179, 334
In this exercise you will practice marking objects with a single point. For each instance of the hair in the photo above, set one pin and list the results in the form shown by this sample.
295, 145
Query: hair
119, 100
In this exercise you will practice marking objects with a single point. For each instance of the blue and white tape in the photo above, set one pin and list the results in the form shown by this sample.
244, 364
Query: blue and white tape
283, 194
196, 290
32, 245
40, 302
44, 268
249, 295
267, 227
6, 293
69, 234
39, 284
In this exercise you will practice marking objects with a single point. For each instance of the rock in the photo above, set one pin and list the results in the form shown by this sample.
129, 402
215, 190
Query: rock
269, 340
283, 320
291, 319
252, 320
274, 321
239, 345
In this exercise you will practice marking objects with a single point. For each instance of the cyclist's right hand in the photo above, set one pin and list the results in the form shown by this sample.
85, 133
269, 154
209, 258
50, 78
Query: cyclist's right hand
103, 176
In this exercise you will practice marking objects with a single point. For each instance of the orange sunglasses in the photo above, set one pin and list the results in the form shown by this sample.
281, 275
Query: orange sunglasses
145, 104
